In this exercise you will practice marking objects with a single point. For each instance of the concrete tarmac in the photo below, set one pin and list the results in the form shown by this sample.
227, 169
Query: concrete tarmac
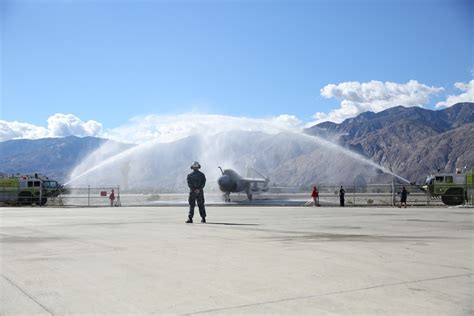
245, 260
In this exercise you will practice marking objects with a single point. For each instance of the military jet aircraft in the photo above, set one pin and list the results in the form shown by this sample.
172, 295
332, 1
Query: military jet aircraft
232, 182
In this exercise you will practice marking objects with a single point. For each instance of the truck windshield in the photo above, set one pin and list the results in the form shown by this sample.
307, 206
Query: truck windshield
50, 184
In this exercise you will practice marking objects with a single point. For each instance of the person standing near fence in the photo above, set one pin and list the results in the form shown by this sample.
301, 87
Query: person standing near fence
342, 192
315, 196
112, 198
403, 197
196, 182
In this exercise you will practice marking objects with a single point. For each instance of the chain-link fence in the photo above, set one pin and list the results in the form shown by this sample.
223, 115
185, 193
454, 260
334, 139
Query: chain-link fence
374, 194
329, 195
89, 196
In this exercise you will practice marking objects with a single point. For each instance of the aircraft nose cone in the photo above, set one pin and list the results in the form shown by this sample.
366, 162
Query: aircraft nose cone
226, 184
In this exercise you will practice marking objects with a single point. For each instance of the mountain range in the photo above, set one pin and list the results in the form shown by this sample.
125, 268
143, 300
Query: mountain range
54, 157
411, 142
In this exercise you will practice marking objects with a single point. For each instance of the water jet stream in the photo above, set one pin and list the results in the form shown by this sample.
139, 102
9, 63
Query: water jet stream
316, 139
354, 155
121, 155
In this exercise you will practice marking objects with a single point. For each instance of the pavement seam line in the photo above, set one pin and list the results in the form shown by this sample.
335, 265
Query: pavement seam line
329, 293
28, 295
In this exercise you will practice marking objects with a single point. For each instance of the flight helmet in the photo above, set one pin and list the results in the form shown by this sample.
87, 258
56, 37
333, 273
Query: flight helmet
195, 165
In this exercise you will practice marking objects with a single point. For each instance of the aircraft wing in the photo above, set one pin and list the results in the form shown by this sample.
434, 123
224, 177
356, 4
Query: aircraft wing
255, 180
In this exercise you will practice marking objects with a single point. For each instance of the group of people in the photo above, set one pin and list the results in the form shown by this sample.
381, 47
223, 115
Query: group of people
315, 196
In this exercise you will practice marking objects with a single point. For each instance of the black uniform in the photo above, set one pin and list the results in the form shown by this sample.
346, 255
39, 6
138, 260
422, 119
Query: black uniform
196, 181
341, 196
404, 194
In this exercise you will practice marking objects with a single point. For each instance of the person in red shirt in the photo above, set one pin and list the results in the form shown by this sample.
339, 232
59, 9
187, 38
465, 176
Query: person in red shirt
315, 196
112, 198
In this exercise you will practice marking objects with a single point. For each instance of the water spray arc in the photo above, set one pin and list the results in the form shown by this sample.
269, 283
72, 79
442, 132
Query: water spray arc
107, 161
217, 145
353, 155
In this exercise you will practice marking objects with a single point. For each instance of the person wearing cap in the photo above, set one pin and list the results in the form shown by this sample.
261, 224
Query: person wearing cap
196, 183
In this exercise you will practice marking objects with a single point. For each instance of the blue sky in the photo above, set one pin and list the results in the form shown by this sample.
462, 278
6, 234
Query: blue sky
109, 60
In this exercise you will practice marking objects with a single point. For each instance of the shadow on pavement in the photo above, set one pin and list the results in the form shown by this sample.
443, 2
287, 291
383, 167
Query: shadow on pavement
231, 224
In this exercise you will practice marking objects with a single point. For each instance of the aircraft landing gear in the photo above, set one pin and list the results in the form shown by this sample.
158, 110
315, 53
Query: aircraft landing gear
227, 197
249, 196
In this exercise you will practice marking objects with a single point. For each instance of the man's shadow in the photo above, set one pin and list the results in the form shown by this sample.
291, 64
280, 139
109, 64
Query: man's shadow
231, 224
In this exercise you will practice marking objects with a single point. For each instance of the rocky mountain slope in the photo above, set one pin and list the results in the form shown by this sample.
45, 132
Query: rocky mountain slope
54, 157
412, 142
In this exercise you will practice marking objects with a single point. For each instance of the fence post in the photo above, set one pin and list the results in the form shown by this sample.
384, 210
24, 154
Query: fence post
89, 195
393, 192
119, 203
354, 195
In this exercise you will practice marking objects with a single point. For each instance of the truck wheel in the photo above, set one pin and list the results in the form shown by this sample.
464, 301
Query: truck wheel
37, 199
453, 197
25, 198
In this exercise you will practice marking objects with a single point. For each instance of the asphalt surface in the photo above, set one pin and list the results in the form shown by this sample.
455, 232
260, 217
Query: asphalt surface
245, 260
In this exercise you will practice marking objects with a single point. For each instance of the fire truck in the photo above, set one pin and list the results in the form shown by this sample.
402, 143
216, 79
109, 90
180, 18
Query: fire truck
28, 189
453, 188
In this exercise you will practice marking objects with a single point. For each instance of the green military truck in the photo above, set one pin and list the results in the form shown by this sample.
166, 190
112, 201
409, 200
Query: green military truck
28, 189
453, 188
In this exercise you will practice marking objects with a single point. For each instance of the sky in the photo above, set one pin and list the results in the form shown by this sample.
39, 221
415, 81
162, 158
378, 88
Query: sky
94, 67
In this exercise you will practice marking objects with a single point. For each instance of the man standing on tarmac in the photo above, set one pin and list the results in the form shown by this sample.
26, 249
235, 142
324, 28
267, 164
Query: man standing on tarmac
315, 196
196, 183
403, 200
342, 192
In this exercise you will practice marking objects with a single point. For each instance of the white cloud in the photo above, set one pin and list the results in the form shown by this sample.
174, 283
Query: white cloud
466, 96
166, 128
19, 130
373, 96
67, 124
59, 125
141, 129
